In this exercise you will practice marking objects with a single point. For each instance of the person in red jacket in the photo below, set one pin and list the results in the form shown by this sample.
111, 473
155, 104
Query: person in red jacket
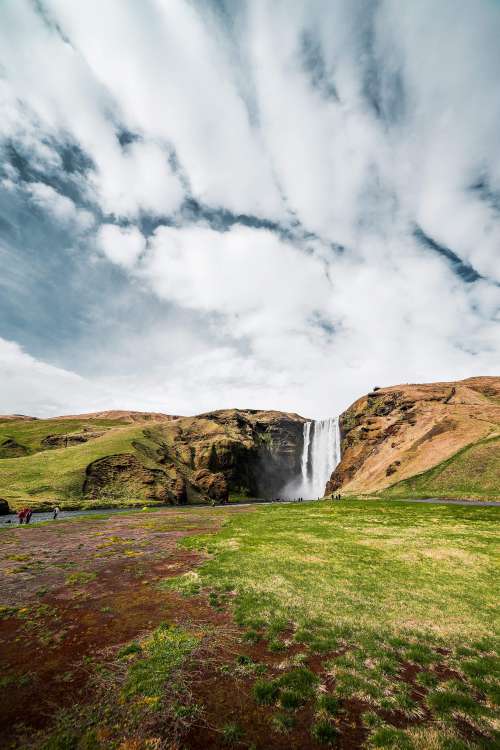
21, 515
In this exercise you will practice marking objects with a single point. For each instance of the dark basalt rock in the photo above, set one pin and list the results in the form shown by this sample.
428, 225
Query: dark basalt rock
124, 476
65, 441
10, 448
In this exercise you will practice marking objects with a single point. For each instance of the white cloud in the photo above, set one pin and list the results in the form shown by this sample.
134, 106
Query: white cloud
238, 272
139, 179
354, 121
36, 388
60, 206
121, 245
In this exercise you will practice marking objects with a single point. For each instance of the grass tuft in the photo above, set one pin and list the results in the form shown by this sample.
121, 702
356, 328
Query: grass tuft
389, 738
162, 654
265, 692
324, 732
232, 734
330, 704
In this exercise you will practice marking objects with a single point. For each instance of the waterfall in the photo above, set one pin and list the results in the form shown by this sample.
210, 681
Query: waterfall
305, 451
320, 455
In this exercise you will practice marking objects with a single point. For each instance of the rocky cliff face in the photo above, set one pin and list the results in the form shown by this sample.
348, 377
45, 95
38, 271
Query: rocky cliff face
399, 432
133, 457
241, 452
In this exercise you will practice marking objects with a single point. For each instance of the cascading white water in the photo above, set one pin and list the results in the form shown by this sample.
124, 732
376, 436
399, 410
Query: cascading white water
320, 455
305, 451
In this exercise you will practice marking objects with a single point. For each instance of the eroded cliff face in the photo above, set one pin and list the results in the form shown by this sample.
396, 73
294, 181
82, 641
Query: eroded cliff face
135, 457
241, 452
394, 433
203, 458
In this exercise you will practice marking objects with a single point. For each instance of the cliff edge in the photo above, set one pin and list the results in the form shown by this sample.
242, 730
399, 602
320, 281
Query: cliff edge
436, 439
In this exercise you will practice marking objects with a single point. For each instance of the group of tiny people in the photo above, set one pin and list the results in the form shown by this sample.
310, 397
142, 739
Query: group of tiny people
24, 515
299, 499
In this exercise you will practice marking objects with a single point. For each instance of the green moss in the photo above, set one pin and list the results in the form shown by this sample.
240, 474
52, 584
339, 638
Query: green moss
77, 579
164, 652
324, 732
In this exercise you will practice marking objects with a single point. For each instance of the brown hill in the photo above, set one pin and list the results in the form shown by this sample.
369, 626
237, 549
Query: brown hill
402, 439
120, 415
136, 458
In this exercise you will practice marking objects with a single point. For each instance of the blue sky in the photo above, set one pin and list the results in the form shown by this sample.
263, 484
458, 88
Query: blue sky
268, 204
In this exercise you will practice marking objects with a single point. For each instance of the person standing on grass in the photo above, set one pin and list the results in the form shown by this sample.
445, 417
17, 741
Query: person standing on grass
56, 513
28, 515
21, 514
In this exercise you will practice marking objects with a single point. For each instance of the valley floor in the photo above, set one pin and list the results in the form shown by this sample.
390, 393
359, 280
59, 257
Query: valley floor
349, 625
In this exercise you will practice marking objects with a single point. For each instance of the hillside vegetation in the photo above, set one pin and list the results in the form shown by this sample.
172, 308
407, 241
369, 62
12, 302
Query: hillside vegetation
473, 472
131, 458
431, 440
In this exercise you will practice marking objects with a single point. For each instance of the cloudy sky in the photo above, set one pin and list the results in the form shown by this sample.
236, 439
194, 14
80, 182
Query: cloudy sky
265, 204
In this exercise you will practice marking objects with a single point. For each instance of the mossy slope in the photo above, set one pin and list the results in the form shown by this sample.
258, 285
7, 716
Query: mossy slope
105, 460
473, 472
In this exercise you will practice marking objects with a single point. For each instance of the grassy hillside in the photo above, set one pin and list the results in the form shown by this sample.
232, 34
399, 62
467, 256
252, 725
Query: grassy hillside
131, 458
58, 474
473, 472
29, 434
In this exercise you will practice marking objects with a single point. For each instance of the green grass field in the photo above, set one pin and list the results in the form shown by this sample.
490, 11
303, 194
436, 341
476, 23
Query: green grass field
59, 474
473, 472
31, 433
372, 564
371, 614
384, 586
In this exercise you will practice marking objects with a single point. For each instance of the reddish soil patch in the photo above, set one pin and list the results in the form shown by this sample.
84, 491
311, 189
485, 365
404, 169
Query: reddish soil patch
64, 621
228, 699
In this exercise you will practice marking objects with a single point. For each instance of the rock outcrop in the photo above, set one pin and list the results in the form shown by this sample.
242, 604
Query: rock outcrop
395, 433
134, 457
65, 441
241, 452
199, 459
4, 507
10, 448
124, 477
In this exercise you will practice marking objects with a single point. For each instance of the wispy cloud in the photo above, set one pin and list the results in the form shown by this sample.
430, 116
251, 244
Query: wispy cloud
256, 203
